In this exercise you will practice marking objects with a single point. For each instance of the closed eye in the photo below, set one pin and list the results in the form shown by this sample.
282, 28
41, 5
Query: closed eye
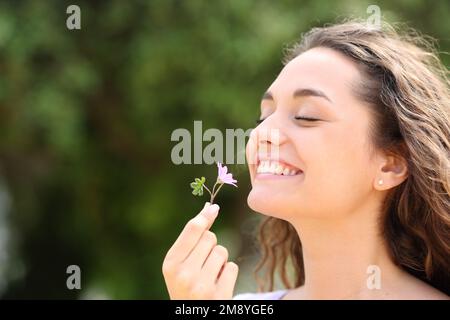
296, 118
306, 119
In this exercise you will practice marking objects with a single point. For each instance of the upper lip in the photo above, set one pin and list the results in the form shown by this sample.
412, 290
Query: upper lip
280, 160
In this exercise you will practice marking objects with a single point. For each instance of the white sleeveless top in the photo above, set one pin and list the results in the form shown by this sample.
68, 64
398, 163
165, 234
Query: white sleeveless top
272, 295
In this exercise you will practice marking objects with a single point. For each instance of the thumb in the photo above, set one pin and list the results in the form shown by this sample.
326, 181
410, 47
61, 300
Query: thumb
210, 212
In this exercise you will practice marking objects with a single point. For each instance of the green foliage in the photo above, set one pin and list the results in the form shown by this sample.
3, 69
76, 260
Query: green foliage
198, 185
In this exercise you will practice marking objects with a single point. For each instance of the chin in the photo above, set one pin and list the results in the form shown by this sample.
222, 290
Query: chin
268, 205
279, 206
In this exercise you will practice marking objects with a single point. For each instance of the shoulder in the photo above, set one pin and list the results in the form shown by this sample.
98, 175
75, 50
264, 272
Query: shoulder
423, 291
272, 295
412, 288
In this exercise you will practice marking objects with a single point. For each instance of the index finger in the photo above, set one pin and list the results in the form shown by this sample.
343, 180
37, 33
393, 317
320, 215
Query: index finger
192, 232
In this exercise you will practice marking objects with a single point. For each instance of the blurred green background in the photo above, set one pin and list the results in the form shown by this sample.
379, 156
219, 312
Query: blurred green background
86, 117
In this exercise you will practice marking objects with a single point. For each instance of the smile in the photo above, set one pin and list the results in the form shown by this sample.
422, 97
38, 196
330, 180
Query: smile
277, 168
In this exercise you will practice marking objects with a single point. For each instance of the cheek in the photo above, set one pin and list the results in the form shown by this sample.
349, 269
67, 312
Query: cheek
338, 176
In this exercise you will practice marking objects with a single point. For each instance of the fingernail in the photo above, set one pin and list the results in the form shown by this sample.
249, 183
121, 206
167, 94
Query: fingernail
213, 211
206, 204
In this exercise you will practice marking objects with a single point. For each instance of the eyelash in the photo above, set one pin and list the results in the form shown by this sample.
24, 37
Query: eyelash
307, 119
296, 118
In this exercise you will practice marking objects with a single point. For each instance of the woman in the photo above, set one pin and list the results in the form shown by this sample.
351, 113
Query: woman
351, 165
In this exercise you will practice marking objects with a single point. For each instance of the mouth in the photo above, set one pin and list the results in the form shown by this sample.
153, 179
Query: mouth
276, 168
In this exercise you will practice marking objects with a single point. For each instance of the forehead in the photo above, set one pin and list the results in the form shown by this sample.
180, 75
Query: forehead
321, 68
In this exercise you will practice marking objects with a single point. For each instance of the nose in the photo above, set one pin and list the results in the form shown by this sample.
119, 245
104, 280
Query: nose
265, 140
270, 131
270, 137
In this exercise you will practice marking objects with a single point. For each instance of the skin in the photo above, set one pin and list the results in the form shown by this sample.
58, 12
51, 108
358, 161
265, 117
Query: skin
196, 267
333, 205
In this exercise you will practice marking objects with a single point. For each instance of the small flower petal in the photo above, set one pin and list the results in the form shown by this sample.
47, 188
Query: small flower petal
224, 176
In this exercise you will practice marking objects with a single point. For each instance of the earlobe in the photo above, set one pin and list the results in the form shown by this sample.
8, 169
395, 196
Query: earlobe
394, 171
379, 184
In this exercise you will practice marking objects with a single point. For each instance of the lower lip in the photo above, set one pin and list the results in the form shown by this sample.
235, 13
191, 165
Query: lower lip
269, 176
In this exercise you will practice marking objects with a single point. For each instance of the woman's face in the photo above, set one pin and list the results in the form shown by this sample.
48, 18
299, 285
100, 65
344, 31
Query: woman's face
312, 168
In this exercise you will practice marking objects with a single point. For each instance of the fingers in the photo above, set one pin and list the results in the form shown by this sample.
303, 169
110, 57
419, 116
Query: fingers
227, 279
216, 259
196, 267
192, 232
201, 252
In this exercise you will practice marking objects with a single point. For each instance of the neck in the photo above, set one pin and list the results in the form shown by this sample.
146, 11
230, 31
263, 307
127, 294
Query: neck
338, 252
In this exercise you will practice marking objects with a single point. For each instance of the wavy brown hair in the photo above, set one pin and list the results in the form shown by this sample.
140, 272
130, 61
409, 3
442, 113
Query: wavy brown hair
408, 91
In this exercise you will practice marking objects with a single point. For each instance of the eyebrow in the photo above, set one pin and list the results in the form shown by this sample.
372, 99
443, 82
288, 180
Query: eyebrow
302, 92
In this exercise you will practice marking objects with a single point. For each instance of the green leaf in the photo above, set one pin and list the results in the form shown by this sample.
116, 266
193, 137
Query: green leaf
197, 186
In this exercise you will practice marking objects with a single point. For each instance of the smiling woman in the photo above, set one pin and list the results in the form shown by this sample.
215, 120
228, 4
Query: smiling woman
360, 180
350, 164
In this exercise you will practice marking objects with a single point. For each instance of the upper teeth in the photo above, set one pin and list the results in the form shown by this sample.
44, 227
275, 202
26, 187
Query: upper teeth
277, 168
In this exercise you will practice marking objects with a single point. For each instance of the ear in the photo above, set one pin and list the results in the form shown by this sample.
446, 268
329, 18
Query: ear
393, 170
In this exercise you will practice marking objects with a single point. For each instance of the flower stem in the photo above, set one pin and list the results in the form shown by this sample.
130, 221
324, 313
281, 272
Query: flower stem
215, 191
207, 189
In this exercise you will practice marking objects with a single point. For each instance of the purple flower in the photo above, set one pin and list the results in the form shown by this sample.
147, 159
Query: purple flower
223, 175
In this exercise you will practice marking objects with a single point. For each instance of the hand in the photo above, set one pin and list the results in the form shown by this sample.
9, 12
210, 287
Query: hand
195, 267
